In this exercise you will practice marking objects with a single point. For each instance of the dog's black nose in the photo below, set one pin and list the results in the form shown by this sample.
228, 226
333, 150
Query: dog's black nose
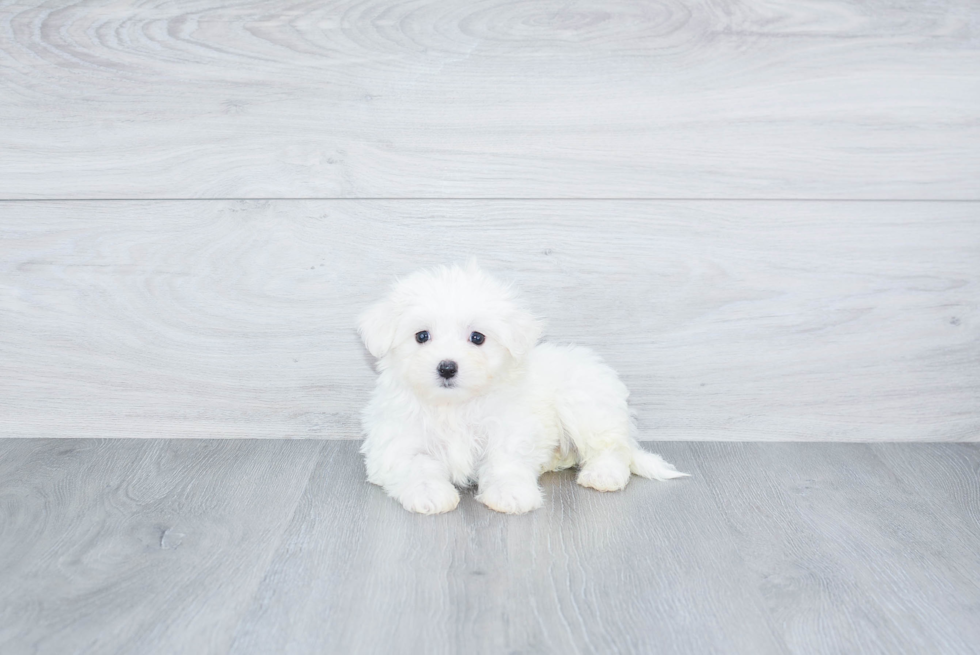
446, 368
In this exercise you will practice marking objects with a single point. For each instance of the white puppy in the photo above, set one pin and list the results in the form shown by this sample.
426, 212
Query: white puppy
467, 395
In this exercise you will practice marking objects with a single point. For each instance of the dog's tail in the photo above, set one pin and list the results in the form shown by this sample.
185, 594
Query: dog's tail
650, 465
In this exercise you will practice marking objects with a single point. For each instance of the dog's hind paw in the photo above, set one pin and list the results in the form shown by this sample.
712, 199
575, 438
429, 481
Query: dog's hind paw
605, 473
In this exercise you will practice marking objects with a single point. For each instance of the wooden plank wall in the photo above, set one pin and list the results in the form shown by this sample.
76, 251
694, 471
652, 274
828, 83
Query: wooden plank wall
765, 214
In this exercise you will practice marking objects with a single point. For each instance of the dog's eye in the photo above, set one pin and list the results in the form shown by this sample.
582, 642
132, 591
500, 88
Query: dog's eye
477, 338
422, 336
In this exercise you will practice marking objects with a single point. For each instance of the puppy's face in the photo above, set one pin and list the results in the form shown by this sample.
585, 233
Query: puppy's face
450, 333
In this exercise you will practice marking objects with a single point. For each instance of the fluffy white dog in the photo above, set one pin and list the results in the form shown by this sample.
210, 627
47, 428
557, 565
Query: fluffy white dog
467, 395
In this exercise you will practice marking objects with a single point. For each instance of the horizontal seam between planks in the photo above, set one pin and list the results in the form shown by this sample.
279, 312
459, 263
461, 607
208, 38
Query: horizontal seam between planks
493, 199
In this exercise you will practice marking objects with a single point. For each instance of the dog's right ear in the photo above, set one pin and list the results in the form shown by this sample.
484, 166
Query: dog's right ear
377, 326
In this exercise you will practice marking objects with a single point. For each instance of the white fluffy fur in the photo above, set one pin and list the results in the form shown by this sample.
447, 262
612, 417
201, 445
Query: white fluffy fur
515, 409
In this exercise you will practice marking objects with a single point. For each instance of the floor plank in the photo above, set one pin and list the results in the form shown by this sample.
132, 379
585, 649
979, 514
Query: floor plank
590, 573
280, 546
139, 546
872, 555
728, 320
597, 98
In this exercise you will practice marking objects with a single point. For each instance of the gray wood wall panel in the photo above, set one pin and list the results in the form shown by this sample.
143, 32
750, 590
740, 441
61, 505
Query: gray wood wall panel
734, 320
206, 546
599, 98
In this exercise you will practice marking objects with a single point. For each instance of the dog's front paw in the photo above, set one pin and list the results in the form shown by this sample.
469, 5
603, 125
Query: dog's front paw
512, 497
430, 497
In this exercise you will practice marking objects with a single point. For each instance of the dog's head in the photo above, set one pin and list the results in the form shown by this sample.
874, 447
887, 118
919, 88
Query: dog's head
449, 333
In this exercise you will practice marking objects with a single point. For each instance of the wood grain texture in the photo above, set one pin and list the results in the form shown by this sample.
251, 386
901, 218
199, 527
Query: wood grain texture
129, 546
122, 546
864, 517
728, 320
596, 98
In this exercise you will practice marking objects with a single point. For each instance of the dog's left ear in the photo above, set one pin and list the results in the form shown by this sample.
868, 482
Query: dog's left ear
377, 327
519, 332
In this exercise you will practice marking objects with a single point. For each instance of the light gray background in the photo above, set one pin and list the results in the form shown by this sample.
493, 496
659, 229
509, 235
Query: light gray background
765, 215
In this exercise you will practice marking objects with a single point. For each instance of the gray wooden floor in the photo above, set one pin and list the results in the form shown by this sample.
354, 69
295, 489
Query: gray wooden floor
279, 546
